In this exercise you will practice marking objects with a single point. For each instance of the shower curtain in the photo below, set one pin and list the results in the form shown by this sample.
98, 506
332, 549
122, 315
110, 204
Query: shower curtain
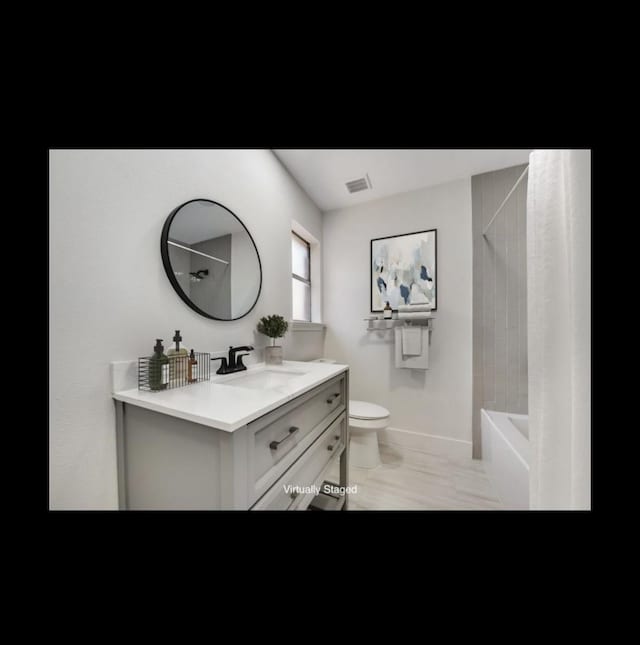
559, 328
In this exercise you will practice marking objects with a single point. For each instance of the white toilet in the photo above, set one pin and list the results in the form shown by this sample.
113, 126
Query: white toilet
365, 419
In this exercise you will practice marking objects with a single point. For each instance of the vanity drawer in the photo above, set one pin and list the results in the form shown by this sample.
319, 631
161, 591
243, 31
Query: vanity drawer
278, 439
307, 471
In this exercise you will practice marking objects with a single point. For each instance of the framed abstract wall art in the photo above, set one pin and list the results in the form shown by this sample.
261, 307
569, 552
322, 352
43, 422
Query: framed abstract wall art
403, 270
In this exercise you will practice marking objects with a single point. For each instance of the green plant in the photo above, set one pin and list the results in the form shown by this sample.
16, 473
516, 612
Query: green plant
273, 326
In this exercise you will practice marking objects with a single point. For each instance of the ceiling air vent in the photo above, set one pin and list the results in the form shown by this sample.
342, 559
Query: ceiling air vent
355, 186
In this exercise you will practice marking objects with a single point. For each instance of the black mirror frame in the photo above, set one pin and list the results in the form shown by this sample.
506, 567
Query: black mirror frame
164, 252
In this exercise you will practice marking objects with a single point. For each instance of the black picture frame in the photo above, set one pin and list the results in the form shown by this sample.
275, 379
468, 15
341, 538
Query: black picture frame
435, 264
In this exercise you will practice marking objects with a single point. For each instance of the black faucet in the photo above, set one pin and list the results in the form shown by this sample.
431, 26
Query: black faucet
238, 366
232, 364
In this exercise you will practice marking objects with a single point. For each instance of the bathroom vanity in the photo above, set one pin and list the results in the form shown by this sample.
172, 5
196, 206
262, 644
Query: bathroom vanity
261, 440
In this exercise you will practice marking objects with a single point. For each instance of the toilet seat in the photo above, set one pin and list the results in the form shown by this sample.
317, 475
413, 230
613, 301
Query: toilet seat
366, 410
367, 416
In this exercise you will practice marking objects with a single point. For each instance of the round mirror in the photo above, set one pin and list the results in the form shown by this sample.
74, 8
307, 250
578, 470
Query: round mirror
211, 260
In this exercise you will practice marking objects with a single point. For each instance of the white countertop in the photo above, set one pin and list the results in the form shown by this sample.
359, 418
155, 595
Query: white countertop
212, 403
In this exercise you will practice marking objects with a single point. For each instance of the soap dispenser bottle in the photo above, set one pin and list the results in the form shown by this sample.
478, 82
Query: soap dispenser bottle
158, 368
192, 376
388, 312
178, 358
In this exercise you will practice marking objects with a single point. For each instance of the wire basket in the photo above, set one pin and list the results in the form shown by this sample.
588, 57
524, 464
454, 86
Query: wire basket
156, 376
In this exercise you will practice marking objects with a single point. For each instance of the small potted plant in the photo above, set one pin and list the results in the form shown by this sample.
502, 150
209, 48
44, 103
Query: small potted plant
274, 327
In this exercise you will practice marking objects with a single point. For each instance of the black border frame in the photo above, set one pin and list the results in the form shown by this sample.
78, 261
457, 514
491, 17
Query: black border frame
387, 237
164, 252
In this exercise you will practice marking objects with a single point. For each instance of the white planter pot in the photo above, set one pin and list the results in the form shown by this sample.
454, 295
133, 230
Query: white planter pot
273, 355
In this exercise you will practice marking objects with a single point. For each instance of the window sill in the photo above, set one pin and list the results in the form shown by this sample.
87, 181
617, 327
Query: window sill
298, 325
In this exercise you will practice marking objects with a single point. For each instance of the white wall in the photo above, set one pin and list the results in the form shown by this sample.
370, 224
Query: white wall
435, 403
304, 345
110, 297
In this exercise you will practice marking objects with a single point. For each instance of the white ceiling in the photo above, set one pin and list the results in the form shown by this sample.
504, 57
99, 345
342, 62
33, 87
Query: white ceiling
323, 173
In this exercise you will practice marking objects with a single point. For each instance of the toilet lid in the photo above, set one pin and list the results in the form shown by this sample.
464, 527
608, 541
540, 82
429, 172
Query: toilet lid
364, 410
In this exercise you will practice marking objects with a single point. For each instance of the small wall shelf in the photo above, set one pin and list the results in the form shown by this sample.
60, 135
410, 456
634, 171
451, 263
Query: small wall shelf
384, 324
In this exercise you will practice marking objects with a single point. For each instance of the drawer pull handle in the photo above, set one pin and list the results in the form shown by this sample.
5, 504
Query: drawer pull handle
293, 495
332, 398
274, 444
329, 447
336, 436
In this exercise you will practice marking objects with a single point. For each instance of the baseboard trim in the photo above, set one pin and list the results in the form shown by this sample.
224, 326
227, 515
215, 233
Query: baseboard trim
434, 444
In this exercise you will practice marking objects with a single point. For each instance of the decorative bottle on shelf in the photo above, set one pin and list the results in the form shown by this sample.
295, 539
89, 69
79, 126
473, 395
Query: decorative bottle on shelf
158, 368
192, 375
178, 359
388, 312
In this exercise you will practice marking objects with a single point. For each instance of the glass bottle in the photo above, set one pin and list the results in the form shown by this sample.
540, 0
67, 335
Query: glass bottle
192, 376
158, 368
178, 359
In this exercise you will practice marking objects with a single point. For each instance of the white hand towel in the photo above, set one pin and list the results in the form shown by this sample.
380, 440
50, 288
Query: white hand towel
411, 341
418, 314
421, 307
412, 362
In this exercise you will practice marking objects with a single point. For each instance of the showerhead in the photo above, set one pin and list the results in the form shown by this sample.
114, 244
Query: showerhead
196, 276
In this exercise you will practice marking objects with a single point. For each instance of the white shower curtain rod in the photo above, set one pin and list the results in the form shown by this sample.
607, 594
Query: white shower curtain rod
186, 248
506, 199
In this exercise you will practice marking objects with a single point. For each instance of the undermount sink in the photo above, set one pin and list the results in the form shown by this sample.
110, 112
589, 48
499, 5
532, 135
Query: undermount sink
266, 379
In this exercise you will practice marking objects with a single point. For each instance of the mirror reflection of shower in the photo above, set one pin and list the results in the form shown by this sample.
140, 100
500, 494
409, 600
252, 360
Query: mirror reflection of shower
213, 260
197, 276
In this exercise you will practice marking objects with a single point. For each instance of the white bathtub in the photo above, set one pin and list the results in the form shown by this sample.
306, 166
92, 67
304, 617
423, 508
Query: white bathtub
506, 455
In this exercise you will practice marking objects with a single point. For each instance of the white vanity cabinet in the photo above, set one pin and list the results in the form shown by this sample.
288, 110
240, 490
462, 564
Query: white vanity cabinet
270, 463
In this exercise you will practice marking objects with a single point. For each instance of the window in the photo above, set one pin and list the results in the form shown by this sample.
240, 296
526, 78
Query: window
301, 278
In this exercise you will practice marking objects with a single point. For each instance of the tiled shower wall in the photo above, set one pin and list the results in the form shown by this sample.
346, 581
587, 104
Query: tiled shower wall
499, 296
